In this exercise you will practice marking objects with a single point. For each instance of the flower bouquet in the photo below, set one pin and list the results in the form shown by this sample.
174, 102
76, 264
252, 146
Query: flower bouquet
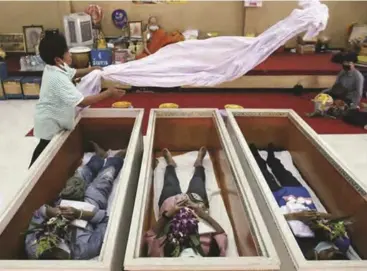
182, 232
336, 232
49, 233
333, 227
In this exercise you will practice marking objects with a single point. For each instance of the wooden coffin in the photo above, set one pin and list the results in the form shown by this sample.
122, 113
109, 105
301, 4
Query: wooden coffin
112, 129
185, 130
335, 186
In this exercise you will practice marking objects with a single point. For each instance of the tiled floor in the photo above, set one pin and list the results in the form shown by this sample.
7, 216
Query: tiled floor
16, 119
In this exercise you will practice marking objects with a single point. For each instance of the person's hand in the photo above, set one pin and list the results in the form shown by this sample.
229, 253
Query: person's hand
70, 213
115, 93
52, 211
176, 207
197, 208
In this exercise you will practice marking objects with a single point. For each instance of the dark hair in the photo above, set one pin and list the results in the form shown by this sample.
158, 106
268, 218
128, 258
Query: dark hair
51, 46
351, 57
347, 56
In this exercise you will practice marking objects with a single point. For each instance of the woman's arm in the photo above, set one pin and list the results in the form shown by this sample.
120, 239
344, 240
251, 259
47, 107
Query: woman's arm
159, 226
211, 221
109, 93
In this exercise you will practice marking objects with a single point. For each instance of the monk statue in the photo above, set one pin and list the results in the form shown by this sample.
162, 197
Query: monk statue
155, 38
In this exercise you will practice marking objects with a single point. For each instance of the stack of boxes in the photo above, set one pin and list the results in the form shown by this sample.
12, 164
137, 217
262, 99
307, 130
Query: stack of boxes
306, 46
13, 87
31, 86
18, 87
3, 75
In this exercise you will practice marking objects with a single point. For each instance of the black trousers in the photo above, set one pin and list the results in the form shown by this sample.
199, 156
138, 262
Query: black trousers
356, 117
284, 177
38, 150
171, 186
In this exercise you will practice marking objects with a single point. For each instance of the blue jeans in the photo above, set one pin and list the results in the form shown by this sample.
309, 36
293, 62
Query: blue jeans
99, 177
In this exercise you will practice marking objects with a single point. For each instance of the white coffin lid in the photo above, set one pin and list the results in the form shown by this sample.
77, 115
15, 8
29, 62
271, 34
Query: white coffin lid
108, 258
292, 248
270, 259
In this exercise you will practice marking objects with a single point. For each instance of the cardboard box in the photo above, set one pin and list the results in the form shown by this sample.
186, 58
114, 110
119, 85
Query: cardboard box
13, 87
306, 49
2, 95
101, 57
31, 86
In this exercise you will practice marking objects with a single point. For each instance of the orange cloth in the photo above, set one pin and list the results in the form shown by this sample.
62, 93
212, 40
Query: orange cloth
160, 39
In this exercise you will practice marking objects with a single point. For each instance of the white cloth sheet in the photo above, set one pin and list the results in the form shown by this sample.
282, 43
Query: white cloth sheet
184, 172
81, 205
210, 62
286, 159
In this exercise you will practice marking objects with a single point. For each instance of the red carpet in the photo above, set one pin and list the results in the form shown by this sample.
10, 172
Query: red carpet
248, 100
295, 64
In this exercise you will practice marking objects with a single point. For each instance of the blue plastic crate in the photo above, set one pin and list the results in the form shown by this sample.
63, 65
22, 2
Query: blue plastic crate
3, 71
101, 57
31, 86
13, 87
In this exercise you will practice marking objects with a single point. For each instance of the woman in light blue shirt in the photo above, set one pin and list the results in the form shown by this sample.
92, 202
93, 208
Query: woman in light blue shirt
55, 110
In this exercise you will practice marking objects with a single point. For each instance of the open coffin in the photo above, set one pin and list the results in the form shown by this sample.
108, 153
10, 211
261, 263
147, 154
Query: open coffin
183, 131
112, 129
333, 188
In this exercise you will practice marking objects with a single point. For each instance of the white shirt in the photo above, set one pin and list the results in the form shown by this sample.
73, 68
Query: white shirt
55, 110
295, 205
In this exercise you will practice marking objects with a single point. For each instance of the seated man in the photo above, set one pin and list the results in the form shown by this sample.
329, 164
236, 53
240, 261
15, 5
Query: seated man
91, 183
349, 83
292, 197
176, 232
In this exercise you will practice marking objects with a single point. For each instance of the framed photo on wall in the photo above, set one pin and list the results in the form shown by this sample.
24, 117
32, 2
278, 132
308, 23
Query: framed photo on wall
12, 42
136, 30
33, 35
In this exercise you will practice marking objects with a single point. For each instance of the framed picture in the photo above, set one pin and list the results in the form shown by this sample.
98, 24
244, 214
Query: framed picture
145, 1
33, 35
12, 42
136, 30
253, 3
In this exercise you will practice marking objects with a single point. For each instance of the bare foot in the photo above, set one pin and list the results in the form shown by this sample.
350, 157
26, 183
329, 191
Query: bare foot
169, 159
98, 150
121, 153
200, 158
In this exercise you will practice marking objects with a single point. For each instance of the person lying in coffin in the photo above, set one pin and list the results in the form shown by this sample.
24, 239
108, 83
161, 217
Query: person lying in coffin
176, 233
320, 236
52, 235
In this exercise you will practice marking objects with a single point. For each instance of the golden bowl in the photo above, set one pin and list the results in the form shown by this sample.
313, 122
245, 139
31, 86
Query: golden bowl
168, 105
80, 57
121, 104
233, 106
